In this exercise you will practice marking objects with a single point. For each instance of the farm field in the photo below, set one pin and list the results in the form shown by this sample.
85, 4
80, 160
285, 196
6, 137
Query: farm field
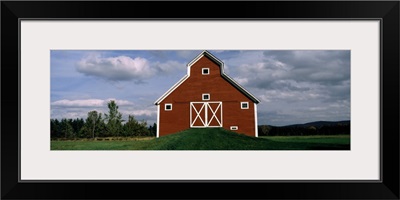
211, 139
323, 139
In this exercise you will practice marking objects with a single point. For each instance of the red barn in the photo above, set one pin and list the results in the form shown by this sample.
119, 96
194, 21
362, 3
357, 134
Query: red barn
207, 97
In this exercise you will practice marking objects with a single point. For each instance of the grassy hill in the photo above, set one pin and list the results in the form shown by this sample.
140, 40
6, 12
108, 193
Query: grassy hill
212, 139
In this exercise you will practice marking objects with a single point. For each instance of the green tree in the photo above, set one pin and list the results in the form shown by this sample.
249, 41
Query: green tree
55, 128
77, 125
142, 129
66, 128
113, 118
135, 128
93, 119
153, 129
265, 129
101, 129
131, 126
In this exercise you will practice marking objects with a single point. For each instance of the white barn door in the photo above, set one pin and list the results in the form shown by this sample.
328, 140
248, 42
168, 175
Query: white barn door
206, 114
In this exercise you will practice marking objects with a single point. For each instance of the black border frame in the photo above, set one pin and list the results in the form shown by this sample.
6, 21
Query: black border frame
386, 11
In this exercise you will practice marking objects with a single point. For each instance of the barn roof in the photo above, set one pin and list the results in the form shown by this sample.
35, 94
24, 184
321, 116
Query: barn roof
225, 76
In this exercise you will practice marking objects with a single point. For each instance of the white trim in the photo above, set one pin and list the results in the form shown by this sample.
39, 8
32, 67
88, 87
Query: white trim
197, 58
208, 71
206, 122
203, 53
202, 96
255, 118
168, 92
198, 115
234, 128
190, 111
206, 102
222, 121
158, 120
167, 104
213, 113
206, 115
244, 102
221, 65
240, 87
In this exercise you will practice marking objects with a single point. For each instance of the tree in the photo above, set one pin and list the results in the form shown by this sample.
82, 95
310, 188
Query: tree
55, 128
101, 129
77, 125
153, 129
113, 118
131, 126
92, 120
143, 131
66, 128
134, 128
265, 129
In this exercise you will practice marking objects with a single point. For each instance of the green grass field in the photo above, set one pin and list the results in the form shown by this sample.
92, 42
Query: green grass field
212, 139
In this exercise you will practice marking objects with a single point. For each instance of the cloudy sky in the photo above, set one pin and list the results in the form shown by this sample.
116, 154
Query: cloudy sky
293, 86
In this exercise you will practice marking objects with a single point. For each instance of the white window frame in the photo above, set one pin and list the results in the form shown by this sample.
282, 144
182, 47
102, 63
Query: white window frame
202, 96
202, 71
242, 103
234, 128
168, 104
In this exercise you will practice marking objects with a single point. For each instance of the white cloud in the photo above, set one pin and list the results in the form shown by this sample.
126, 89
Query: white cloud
78, 103
73, 112
318, 108
148, 112
88, 103
72, 109
242, 81
168, 66
119, 102
116, 68
74, 115
124, 68
288, 96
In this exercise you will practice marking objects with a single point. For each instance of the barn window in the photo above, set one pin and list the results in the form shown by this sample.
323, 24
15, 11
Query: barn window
244, 105
205, 71
234, 128
168, 106
206, 97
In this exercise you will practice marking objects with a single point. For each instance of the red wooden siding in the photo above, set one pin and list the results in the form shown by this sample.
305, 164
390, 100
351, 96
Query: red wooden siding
191, 90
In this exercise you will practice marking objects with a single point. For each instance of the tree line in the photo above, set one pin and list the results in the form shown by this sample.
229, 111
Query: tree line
96, 126
339, 129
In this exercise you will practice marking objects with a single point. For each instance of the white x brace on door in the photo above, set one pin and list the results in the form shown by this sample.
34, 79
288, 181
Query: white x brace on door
206, 114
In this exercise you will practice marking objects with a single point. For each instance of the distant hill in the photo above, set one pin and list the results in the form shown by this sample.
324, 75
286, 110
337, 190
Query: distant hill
319, 124
311, 128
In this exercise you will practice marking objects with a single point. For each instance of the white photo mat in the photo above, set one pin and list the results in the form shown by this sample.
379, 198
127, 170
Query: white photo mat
362, 162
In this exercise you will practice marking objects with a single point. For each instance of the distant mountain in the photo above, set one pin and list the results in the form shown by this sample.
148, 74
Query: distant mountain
319, 124
311, 128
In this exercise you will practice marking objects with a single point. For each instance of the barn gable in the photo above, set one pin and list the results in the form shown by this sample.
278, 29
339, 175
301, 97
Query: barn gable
206, 97
222, 73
